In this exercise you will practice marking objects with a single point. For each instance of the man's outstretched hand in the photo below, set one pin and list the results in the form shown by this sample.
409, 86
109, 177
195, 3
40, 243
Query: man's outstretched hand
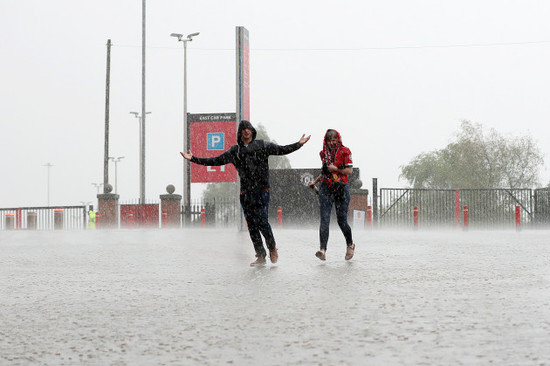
187, 156
304, 139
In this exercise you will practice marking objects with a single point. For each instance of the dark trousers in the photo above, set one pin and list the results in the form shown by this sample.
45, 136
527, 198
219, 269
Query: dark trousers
326, 200
255, 206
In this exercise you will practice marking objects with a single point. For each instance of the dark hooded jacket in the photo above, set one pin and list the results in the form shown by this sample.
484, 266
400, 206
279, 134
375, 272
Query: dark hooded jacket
251, 160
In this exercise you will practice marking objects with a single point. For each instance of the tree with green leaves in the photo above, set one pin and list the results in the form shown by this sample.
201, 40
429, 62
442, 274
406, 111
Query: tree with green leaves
477, 160
224, 190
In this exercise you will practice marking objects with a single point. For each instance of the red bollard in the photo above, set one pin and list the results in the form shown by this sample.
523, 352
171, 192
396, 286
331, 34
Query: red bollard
203, 217
369, 215
518, 217
18, 220
466, 217
415, 216
280, 216
164, 218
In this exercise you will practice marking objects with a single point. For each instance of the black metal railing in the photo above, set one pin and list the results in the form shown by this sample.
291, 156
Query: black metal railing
447, 207
224, 212
541, 206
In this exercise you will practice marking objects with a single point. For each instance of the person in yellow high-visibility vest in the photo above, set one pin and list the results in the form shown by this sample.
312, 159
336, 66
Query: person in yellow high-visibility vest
91, 218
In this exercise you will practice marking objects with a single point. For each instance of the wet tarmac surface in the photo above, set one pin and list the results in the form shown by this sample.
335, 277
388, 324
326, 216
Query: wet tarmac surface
189, 297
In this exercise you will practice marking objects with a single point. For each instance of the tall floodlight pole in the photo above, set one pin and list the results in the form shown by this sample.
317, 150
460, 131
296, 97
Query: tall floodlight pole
48, 165
141, 146
186, 129
107, 92
116, 160
142, 121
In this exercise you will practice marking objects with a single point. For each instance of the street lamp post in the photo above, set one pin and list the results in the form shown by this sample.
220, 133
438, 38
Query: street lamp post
116, 160
141, 155
48, 165
186, 129
97, 185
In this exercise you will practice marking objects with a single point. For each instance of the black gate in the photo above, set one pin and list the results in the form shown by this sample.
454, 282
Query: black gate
542, 206
447, 207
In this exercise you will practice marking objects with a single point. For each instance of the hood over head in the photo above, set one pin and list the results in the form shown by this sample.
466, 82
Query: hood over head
244, 124
328, 154
333, 131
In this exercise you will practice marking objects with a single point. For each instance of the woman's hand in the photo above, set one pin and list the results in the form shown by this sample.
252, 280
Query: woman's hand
332, 168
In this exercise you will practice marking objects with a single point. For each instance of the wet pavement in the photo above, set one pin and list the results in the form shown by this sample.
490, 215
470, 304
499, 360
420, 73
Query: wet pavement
189, 297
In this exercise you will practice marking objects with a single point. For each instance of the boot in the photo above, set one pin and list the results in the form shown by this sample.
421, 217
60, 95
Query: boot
321, 254
273, 255
260, 261
350, 251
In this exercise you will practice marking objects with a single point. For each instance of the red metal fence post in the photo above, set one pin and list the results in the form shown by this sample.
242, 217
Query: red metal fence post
280, 216
518, 217
18, 219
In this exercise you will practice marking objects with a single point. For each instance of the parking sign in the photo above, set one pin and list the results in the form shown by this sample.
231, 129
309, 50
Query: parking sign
215, 141
211, 135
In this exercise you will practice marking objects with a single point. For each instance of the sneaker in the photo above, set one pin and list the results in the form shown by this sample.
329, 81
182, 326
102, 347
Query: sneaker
260, 261
321, 255
350, 251
273, 255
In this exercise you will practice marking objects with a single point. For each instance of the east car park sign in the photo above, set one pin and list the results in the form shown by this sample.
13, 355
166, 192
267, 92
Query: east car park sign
211, 135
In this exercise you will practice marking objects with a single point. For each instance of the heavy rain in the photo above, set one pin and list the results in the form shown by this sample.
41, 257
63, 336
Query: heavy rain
189, 297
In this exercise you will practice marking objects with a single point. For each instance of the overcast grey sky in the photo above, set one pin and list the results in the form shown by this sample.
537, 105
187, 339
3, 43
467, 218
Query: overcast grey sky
395, 77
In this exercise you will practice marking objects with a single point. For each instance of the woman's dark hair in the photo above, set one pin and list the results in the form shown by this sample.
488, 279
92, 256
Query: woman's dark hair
330, 134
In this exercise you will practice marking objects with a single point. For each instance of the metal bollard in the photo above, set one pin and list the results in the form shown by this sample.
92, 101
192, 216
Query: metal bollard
415, 217
466, 217
369, 215
280, 216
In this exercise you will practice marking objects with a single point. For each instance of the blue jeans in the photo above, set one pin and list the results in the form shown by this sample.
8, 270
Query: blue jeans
255, 206
326, 199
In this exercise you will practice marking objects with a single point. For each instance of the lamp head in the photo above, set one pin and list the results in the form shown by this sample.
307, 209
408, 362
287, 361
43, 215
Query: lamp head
190, 36
177, 35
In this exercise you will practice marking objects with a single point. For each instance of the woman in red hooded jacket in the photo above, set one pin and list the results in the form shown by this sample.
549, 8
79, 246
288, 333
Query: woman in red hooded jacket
334, 188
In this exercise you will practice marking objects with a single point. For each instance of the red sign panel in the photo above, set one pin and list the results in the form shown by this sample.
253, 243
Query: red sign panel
211, 135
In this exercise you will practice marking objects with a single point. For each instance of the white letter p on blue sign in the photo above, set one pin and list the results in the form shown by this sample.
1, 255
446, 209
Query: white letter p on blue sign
215, 141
